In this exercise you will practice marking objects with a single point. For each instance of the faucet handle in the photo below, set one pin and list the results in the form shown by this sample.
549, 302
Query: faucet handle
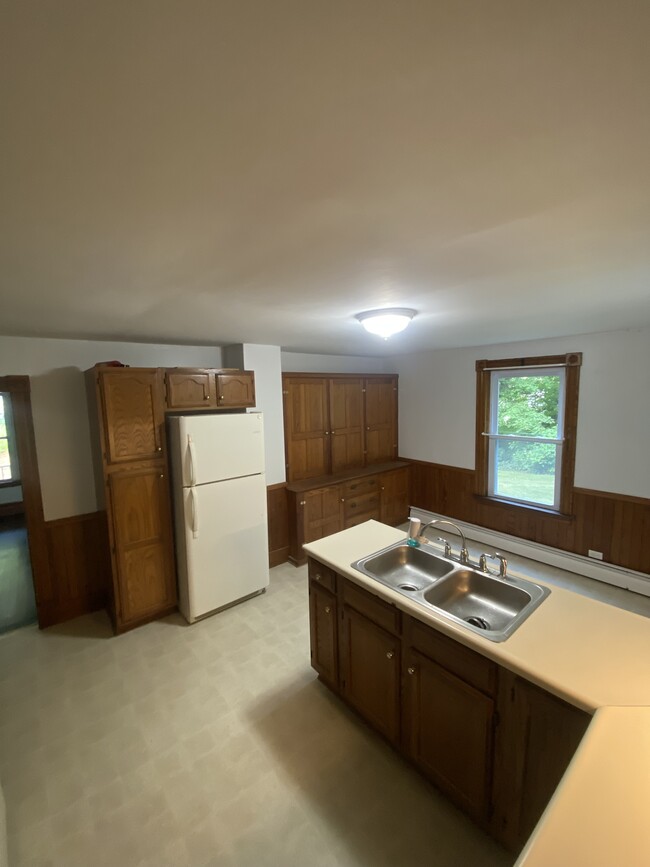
503, 564
447, 546
482, 563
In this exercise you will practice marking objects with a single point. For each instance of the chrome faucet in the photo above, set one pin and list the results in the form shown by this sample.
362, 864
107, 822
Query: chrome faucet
464, 554
503, 563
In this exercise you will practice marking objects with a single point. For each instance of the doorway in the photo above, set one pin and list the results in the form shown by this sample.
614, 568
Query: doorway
17, 599
24, 562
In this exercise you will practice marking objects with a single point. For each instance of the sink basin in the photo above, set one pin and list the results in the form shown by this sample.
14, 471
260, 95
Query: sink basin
489, 606
487, 603
405, 568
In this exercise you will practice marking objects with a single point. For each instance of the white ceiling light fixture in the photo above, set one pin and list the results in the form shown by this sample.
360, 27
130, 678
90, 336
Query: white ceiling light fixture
386, 322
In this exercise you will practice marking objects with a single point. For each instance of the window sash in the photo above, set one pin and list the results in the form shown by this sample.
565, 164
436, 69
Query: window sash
494, 438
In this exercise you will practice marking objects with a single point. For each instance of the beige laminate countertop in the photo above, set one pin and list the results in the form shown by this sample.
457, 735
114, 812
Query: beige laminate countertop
593, 655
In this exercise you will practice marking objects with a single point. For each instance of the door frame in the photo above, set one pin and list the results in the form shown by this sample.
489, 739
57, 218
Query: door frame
18, 387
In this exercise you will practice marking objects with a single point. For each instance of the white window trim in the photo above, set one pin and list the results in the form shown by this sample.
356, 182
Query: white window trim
494, 438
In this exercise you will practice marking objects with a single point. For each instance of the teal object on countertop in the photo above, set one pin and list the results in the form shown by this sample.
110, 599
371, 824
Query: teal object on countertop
413, 543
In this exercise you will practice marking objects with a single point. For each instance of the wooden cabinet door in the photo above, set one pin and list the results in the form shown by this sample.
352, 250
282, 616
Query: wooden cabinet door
394, 487
306, 427
370, 672
133, 413
381, 419
346, 423
449, 732
193, 389
142, 537
322, 513
536, 739
323, 633
236, 389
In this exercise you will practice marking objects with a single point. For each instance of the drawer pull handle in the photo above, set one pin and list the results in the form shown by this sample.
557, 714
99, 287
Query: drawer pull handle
327, 609
390, 654
411, 670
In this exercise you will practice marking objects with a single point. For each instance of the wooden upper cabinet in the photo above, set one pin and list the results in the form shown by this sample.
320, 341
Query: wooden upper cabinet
235, 388
133, 413
380, 418
346, 423
200, 388
306, 424
190, 389
338, 423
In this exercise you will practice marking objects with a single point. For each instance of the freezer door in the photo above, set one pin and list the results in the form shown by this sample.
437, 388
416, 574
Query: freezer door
226, 544
216, 447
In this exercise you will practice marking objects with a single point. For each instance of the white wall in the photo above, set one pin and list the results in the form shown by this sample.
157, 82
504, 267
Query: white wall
265, 361
301, 362
56, 368
437, 405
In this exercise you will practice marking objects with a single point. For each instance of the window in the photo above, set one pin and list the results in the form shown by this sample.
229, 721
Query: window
8, 459
526, 411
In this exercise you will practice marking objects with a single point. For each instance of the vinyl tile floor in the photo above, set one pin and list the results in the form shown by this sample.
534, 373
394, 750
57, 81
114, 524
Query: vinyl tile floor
211, 744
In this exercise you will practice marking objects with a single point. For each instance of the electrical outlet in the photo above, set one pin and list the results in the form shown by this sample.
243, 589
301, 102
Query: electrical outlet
597, 555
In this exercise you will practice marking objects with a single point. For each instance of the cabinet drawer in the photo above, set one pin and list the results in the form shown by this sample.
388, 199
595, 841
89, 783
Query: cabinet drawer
366, 504
364, 485
380, 612
322, 575
354, 520
456, 658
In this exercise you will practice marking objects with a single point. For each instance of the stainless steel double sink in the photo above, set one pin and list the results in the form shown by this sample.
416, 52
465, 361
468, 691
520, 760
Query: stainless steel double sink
486, 604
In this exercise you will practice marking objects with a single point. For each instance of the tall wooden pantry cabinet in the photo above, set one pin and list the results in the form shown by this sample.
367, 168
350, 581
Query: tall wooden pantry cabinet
131, 475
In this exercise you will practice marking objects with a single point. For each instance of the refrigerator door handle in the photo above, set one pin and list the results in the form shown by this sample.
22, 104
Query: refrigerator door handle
192, 454
195, 513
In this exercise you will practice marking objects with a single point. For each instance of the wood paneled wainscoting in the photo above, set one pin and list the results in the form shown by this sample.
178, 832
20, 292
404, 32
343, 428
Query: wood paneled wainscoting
278, 519
79, 559
614, 524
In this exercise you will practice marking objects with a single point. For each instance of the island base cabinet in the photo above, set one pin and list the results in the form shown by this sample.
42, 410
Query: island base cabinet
370, 672
324, 634
536, 740
448, 732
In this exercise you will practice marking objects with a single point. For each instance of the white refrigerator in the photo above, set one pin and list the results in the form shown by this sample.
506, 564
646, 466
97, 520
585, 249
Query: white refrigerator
220, 517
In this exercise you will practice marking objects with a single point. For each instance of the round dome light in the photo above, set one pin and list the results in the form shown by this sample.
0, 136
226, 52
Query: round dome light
386, 322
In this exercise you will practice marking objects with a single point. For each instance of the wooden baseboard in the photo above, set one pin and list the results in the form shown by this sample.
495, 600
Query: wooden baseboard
281, 555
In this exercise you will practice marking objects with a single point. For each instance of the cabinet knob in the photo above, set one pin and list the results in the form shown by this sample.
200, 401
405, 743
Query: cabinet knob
206, 397
327, 433
159, 449
162, 475
383, 489
302, 502
342, 499
327, 609
317, 576
390, 654
410, 670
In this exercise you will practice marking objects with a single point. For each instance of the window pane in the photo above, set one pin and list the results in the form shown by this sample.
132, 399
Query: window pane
3, 424
528, 405
5, 463
525, 471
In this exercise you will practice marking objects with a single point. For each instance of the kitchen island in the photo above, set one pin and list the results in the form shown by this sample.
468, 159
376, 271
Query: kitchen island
591, 655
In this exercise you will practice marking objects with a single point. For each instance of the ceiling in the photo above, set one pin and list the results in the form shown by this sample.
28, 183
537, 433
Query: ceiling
252, 171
